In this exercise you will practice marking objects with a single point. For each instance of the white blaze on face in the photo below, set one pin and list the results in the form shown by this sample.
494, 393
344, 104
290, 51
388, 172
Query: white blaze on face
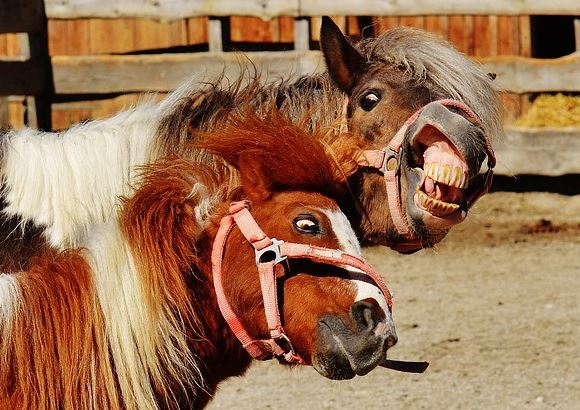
349, 244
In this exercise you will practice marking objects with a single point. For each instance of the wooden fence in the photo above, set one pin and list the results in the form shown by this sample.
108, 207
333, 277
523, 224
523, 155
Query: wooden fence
85, 58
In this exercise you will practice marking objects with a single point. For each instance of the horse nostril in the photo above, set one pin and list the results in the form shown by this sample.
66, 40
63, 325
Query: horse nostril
367, 314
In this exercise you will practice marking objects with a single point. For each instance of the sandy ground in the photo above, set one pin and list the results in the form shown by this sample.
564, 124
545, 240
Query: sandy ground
495, 309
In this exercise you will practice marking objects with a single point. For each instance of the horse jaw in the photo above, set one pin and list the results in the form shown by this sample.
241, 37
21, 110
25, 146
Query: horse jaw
440, 165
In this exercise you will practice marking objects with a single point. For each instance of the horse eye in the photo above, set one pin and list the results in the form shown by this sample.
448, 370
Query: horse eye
369, 100
307, 224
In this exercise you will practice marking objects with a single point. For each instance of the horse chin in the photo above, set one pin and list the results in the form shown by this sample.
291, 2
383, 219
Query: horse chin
342, 355
332, 370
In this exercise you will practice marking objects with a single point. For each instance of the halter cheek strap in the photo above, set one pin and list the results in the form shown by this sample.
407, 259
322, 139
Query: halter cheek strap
388, 162
269, 253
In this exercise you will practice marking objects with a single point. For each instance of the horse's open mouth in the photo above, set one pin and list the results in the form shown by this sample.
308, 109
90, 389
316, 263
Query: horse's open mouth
443, 174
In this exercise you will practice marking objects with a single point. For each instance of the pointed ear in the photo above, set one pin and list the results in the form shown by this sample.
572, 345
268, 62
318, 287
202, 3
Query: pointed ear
342, 60
253, 178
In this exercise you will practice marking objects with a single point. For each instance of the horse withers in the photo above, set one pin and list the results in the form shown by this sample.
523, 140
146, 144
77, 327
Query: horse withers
182, 289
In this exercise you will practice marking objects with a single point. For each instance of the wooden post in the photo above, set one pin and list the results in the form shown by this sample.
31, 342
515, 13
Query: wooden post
215, 35
301, 34
27, 16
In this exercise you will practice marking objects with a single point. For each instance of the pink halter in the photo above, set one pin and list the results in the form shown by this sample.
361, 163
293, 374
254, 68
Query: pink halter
270, 252
388, 161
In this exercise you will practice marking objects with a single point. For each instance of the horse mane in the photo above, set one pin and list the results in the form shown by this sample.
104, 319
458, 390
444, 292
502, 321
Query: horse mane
193, 108
428, 59
289, 155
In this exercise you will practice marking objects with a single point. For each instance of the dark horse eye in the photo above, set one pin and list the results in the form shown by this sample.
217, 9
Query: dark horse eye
369, 100
306, 224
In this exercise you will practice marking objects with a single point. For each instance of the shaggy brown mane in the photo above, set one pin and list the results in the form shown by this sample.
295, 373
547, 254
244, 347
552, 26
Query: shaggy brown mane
288, 155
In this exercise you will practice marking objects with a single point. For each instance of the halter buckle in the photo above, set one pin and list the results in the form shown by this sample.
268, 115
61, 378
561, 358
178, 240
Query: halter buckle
392, 161
272, 252
283, 342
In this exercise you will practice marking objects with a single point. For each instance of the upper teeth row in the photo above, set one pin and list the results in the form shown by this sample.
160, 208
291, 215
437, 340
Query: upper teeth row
446, 174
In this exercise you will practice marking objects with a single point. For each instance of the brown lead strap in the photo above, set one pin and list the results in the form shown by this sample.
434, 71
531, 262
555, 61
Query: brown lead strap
404, 366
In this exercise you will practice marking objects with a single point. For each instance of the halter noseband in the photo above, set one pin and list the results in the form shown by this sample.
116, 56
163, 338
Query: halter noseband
270, 252
388, 162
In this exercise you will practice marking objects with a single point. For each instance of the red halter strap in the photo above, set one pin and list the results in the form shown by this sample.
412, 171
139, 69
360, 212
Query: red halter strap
277, 251
388, 161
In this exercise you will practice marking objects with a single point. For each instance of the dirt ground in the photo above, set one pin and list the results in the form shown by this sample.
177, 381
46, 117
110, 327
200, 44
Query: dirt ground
495, 309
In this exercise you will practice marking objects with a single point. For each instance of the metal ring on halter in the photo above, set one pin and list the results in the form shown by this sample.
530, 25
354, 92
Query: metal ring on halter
275, 248
392, 161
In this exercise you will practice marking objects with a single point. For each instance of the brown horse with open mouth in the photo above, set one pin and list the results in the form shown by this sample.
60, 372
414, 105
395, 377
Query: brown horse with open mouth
424, 112
427, 126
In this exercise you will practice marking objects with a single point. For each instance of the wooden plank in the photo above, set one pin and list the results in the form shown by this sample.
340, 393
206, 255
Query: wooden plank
460, 33
507, 35
385, 23
412, 21
65, 114
178, 9
112, 36
215, 35
526, 75
525, 36
152, 34
254, 29
79, 37
437, 25
58, 38
539, 151
164, 72
197, 28
10, 44
21, 16
484, 36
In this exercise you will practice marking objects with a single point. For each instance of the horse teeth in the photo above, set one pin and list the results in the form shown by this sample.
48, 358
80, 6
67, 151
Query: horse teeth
436, 206
457, 176
446, 174
431, 170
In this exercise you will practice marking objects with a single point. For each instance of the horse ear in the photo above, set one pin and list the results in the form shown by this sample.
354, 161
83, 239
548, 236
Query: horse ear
342, 60
253, 178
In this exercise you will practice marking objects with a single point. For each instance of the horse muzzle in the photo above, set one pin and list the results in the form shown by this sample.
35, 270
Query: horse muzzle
355, 345
444, 150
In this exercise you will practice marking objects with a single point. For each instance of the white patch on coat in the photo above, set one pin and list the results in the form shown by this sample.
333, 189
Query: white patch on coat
71, 180
349, 244
137, 336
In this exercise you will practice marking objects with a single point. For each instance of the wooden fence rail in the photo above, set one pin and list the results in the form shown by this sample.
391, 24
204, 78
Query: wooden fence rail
176, 9
164, 72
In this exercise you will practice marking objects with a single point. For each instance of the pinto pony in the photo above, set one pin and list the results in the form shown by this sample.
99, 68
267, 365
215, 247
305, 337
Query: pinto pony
132, 320
417, 103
